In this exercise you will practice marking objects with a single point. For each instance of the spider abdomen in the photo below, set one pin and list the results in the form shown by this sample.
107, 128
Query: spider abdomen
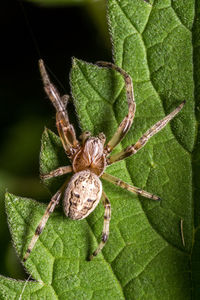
82, 195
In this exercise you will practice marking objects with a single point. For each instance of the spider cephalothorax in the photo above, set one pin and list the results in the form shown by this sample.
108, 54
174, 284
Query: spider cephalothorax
89, 158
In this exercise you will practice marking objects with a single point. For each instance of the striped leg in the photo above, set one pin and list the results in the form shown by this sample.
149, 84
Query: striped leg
50, 208
65, 129
130, 150
57, 172
129, 187
106, 223
128, 120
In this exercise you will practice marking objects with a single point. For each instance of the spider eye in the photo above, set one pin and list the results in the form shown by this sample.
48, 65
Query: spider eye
76, 195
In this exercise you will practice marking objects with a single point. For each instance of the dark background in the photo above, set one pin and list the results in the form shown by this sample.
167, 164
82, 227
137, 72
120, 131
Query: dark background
29, 32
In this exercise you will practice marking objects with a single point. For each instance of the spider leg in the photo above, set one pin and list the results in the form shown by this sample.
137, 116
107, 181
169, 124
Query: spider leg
130, 150
129, 187
106, 223
65, 129
128, 120
50, 208
57, 172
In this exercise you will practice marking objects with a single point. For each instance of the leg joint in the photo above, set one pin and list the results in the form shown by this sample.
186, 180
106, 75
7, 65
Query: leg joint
104, 237
38, 230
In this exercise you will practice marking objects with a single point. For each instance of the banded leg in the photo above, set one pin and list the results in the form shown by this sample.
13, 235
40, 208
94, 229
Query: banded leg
57, 172
106, 223
129, 187
130, 150
65, 129
50, 208
128, 120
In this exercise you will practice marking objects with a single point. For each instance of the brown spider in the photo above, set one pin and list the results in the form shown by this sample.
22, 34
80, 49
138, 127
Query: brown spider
89, 159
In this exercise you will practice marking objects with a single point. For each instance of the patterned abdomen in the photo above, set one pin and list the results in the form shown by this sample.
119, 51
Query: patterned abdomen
82, 195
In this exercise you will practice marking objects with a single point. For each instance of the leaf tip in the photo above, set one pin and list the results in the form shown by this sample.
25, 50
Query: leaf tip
8, 200
74, 61
8, 196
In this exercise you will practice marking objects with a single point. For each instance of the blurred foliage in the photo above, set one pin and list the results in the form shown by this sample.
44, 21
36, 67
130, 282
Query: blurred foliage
59, 2
96, 10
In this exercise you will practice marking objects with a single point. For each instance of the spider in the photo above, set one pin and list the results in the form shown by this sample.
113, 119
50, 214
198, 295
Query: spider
90, 157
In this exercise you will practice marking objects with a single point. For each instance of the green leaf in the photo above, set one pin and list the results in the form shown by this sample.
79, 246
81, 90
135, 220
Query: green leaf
145, 256
195, 259
58, 261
